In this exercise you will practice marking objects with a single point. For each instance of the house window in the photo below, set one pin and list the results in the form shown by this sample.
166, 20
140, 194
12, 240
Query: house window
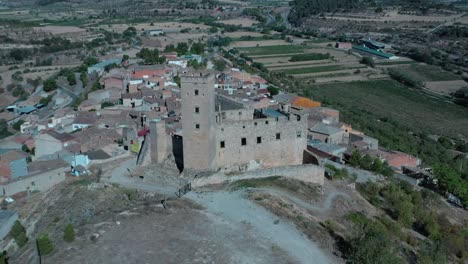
255, 123
196, 92
298, 134
222, 144
197, 109
197, 126
240, 113
278, 136
243, 127
259, 140
33, 183
244, 141
266, 122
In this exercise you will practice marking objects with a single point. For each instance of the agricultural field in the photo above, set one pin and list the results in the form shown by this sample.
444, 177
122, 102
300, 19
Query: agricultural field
393, 16
254, 47
445, 87
327, 68
272, 50
426, 73
382, 97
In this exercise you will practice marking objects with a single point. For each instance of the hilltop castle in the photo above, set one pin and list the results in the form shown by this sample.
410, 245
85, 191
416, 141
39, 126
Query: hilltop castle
221, 134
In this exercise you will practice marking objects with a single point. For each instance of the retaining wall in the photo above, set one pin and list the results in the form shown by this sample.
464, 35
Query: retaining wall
307, 173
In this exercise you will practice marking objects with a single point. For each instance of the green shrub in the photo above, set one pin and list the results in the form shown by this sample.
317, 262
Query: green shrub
69, 233
44, 245
21, 240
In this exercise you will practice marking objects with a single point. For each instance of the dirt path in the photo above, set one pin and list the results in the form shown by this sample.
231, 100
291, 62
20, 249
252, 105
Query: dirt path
327, 204
236, 209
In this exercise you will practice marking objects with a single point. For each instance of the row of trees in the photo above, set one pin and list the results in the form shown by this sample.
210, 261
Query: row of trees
151, 56
366, 162
183, 48
43, 242
304, 8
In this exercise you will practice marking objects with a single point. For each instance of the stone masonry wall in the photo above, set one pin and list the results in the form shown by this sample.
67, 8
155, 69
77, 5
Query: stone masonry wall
262, 145
307, 173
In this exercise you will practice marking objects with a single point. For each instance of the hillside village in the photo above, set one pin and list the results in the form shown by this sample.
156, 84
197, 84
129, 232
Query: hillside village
114, 121
233, 132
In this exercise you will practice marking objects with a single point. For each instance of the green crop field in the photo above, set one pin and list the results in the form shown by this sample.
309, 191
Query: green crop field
270, 50
426, 73
379, 99
313, 69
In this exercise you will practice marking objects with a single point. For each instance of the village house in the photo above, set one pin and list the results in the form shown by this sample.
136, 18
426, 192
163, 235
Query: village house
13, 164
50, 142
111, 95
42, 176
115, 82
89, 104
132, 99
326, 133
84, 120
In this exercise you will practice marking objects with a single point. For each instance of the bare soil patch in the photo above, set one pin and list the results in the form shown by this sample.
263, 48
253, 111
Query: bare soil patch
243, 21
445, 87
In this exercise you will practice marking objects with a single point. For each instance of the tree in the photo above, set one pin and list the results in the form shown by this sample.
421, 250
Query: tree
368, 61
273, 90
213, 30
125, 58
219, 65
371, 244
177, 80
197, 48
182, 48
377, 165
4, 257
44, 245
195, 64
18, 232
50, 85
170, 48
431, 252
69, 233
366, 162
355, 159
71, 78
4, 129
17, 125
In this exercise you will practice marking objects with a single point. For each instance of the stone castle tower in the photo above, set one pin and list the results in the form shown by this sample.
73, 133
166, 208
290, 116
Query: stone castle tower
198, 121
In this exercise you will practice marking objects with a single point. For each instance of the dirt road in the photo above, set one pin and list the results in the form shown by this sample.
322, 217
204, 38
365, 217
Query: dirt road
236, 209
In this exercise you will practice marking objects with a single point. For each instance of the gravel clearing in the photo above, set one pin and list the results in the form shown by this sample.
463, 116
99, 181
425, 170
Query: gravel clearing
236, 209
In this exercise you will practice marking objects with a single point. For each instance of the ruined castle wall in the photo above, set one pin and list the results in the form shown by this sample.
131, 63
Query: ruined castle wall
261, 142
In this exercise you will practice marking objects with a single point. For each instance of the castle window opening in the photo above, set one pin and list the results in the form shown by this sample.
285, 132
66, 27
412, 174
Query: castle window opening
197, 126
259, 140
243, 141
222, 144
278, 136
